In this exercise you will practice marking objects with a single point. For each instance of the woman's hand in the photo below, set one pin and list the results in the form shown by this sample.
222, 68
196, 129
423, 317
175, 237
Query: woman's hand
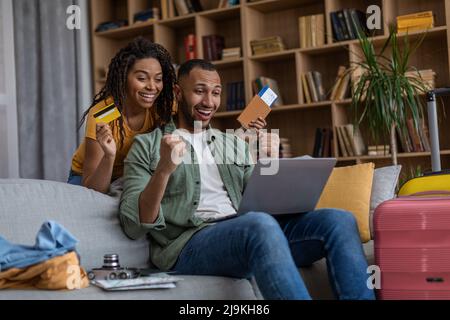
106, 140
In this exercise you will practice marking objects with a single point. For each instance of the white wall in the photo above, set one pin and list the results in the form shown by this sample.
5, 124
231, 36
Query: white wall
9, 151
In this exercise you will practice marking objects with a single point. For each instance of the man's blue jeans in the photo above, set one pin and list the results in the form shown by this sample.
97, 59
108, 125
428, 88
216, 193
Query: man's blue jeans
255, 244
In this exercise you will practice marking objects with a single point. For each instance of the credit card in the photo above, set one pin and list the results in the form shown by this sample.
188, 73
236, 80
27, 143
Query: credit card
108, 113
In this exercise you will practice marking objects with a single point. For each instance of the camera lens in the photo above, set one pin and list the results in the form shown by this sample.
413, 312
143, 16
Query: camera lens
112, 276
111, 261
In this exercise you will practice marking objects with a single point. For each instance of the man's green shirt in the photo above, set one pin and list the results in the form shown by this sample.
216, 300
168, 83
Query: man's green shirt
176, 222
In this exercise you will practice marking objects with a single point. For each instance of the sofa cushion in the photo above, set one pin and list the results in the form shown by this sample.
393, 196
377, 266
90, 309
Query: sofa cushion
90, 216
383, 188
349, 188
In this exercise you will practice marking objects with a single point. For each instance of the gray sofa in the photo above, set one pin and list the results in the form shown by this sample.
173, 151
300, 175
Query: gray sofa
92, 218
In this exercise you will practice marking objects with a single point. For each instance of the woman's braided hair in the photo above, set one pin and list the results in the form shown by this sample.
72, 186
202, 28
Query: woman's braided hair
116, 81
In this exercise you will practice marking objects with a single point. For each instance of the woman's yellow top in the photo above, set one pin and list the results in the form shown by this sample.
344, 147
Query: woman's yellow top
122, 149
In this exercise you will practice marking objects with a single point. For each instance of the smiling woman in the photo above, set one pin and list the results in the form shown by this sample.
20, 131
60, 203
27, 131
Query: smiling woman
140, 85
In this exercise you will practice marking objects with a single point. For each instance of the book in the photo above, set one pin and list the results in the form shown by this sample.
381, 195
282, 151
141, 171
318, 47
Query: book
312, 30
356, 141
419, 21
190, 46
231, 53
422, 14
312, 87
336, 27
379, 150
212, 47
181, 6
306, 94
337, 82
347, 141
267, 45
317, 76
341, 143
155, 281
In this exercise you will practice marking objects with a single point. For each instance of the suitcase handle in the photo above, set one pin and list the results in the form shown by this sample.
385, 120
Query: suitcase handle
430, 193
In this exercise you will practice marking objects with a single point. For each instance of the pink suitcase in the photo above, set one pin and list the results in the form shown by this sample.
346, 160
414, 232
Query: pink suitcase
412, 247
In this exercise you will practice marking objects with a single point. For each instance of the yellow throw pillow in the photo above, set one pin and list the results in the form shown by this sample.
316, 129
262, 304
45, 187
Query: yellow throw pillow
350, 188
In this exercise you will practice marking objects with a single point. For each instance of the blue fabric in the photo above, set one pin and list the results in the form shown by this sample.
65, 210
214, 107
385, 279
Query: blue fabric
52, 240
74, 179
256, 244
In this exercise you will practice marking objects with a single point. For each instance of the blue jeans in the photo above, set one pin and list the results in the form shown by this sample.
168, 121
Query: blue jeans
74, 178
255, 244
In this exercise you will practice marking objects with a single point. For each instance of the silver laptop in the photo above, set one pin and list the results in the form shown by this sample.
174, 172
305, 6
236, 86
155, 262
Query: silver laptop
295, 188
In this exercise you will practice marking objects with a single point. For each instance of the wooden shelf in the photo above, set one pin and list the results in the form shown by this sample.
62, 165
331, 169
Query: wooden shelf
429, 34
285, 54
221, 14
256, 20
266, 6
293, 107
228, 63
179, 21
388, 156
129, 31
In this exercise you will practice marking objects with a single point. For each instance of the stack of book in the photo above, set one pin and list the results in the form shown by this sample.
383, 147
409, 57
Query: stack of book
267, 45
312, 31
348, 23
190, 46
146, 15
341, 85
427, 76
420, 21
231, 53
323, 143
261, 82
111, 25
313, 90
350, 141
168, 9
212, 47
235, 96
381, 150
285, 148
414, 138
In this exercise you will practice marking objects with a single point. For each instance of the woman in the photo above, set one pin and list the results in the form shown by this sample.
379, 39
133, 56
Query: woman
140, 83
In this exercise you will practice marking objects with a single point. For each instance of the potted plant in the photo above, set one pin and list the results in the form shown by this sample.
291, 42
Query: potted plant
388, 90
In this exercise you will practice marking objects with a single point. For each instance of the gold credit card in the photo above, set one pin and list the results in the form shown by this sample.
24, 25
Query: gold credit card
108, 113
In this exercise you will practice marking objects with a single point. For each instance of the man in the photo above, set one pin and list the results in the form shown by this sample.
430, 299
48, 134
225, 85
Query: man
173, 200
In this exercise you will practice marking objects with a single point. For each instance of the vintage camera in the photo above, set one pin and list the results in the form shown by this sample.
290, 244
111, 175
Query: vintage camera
111, 270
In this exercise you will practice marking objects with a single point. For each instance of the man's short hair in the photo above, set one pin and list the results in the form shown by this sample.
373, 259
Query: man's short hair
186, 68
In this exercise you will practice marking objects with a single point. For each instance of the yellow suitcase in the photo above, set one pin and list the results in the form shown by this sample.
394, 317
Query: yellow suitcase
433, 182
437, 180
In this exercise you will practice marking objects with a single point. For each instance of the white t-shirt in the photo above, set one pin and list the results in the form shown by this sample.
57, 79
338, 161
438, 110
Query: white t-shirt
214, 200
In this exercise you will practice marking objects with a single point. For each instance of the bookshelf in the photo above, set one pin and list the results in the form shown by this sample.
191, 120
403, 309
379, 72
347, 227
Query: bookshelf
252, 20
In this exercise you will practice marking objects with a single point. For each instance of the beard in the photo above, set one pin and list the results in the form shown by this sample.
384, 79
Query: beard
187, 114
188, 117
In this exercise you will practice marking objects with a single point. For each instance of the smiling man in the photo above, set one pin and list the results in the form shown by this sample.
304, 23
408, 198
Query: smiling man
177, 201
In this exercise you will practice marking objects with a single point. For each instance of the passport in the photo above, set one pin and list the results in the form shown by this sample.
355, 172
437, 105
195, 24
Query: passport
260, 106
